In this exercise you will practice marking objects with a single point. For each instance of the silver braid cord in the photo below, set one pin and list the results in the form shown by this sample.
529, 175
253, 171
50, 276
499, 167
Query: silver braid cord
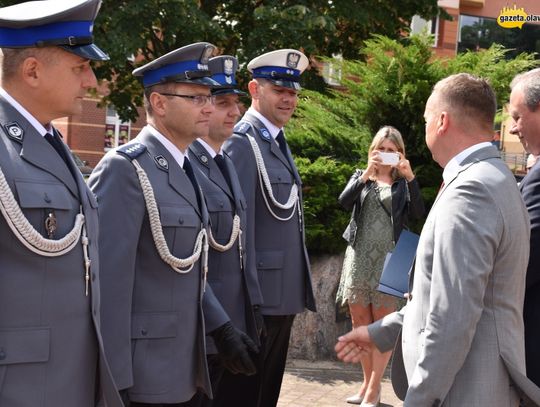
264, 182
201, 243
235, 232
29, 236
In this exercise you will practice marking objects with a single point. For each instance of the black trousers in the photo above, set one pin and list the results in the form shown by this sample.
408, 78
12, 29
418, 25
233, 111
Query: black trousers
261, 389
216, 371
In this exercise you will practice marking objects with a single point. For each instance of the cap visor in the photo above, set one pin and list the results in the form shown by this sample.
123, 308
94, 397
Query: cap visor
205, 81
90, 51
228, 91
286, 84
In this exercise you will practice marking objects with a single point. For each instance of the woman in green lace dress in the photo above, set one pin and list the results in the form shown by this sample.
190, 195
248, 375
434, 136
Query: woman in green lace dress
381, 198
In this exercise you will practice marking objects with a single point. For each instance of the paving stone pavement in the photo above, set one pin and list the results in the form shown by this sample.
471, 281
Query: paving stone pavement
326, 384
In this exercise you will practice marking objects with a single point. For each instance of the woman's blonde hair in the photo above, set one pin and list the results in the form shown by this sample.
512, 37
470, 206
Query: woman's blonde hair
392, 134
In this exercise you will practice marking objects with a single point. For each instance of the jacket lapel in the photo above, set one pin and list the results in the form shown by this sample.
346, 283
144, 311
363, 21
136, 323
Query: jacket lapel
211, 169
178, 180
264, 135
36, 150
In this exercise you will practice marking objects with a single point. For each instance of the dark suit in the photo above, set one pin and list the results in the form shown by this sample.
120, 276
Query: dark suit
235, 285
530, 190
280, 252
50, 334
153, 319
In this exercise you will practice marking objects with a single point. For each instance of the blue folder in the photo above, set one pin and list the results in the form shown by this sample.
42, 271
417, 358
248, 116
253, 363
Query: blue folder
397, 265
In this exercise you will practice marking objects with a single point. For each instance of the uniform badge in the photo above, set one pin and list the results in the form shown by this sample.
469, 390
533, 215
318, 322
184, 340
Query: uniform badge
161, 162
242, 127
228, 79
228, 65
203, 158
14, 130
207, 53
292, 59
265, 134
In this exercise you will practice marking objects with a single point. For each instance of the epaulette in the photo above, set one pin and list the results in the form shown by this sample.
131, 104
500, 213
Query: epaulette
242, 127
132, 151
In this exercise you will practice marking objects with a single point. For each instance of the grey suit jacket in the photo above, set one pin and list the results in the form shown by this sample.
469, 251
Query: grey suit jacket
235, 285
280, 253
153, 325
50, 340
462, 337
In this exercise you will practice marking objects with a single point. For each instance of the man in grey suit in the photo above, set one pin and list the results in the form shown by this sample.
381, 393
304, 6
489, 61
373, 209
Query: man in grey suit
153, 239
233, 279
524, 108
51, 351
275, 225
462, 326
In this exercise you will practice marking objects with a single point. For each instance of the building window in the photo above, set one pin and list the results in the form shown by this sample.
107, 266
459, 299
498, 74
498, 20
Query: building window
117, 132
332, 70
476, 33
419, 25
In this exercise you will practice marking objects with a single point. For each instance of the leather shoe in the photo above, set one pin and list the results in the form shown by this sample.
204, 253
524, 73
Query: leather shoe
356, 399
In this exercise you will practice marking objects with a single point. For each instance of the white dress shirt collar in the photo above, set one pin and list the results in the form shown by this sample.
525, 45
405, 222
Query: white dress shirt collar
25, 113
209, 149
454, 165
272, 128
178, 155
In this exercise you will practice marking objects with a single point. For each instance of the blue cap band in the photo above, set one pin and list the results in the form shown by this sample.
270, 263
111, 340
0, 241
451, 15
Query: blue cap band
222, 79
30, 36
277, 72
153, 77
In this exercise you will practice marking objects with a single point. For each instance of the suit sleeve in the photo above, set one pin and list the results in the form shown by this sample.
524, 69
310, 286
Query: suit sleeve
121, 213
241, 154
464, 251
352, 191
531, 197
384, 332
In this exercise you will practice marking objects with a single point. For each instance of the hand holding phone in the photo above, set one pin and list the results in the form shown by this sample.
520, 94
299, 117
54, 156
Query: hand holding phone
389, 158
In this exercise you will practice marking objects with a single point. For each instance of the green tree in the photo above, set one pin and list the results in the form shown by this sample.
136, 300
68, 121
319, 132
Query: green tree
389, 86
146, 29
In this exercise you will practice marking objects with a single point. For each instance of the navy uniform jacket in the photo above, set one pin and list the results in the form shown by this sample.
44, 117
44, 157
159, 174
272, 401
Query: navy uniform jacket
153, 325
234, 284
50, 340
280, 252
530, 190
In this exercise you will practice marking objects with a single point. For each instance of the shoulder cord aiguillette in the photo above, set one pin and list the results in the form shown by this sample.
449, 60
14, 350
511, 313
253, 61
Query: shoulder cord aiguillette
181, 266
264, 181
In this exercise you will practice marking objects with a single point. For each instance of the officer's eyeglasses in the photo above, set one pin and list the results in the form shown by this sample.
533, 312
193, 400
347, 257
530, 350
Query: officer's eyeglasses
197, 100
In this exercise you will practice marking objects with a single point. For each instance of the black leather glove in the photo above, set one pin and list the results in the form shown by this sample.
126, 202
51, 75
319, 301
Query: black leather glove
233, 348
259, 321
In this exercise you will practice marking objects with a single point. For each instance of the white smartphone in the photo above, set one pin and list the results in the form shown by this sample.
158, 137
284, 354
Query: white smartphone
389, 158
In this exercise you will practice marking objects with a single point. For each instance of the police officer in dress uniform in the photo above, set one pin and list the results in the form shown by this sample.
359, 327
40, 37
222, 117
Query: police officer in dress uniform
51, 351
275, 233
154, 240
234, 283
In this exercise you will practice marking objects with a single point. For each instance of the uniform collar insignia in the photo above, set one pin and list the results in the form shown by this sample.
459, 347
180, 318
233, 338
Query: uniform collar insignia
265, 134
14, 131
161, 162
203, 158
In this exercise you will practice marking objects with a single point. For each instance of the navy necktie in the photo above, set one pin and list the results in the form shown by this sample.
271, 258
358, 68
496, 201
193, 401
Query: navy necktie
57, 144
188, 169
220, 161
280, 138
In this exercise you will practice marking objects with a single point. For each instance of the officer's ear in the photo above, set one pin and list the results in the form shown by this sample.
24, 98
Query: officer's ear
254, 88
157, 102
31, 71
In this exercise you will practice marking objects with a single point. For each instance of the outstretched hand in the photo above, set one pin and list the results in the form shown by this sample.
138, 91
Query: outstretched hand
352, 346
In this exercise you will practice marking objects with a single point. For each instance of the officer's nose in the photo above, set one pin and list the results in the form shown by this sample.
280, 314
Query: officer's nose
513, 129
90, 80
